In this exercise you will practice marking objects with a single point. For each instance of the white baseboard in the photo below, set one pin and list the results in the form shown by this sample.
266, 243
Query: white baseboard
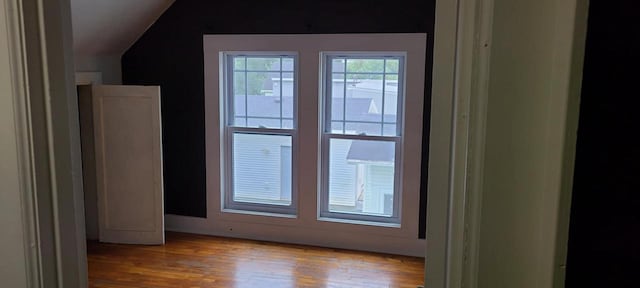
287, 234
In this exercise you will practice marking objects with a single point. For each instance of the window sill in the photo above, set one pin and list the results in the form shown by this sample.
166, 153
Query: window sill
359, 222
258, 213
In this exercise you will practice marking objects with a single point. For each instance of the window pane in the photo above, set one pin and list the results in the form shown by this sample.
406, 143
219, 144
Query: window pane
238, 63
239, 105
287, 107
390, 100
287, 85
261, 83
363, 128
365, 65
363, 101
260, 101
392, 77
262, 169
337, 96
262, 92
390, 118
337, 127
390, 130
287, 124
240, 121
337, 65
361, 177
342, 177
263, 63
364, 98
288, 64
392, 66
263, 123
239, 83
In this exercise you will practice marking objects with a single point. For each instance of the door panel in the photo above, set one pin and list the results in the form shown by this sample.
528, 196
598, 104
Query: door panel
129, 164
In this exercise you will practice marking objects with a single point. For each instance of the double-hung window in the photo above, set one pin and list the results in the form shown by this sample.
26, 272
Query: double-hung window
316, 138
260, 95
361, 135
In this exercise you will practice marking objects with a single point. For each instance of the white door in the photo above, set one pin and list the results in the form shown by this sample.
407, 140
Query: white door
128, 151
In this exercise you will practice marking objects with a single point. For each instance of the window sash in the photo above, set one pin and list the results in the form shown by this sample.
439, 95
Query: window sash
230, 130
229, 202
327, 62
327, 134
229, 95
325, 186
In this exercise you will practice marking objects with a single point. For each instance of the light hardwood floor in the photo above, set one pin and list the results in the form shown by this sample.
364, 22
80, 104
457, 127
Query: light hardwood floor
189, 260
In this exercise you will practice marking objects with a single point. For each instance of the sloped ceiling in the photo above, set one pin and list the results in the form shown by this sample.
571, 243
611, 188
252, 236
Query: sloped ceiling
110, 27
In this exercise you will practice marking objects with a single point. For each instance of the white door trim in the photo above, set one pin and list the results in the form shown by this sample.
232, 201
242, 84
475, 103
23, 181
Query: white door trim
452, 70
39, 34
461, 72
25, 271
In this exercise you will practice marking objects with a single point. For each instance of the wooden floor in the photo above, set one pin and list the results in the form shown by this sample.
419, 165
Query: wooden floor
189, 260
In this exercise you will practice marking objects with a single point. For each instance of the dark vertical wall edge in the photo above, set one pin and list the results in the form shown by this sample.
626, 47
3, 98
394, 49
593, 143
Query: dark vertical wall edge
604, 233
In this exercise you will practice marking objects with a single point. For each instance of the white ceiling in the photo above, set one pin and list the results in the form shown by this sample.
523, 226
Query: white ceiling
108, 27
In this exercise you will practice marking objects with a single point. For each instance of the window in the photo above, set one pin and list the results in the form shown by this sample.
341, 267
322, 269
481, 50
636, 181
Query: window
260, 119
315, 139
361, 135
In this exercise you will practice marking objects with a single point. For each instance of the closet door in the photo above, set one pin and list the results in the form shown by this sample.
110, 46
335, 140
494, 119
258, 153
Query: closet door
128, 151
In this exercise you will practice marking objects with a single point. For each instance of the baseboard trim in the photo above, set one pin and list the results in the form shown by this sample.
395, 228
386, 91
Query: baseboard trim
286, 234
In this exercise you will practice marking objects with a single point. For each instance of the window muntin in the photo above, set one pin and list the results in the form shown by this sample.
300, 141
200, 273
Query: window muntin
364, 95
361, 137
263, 90
260, 100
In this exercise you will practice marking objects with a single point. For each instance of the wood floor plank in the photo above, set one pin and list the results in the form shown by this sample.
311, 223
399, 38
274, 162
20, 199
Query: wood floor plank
188, 260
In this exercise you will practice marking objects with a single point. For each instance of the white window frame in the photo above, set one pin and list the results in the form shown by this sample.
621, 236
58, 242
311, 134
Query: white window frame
230, 130
307, 227
327, 135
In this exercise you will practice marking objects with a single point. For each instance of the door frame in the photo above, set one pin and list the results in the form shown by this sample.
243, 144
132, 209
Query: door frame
90, 211
40, 42
54, 58
460, 70
42, 45
463, 35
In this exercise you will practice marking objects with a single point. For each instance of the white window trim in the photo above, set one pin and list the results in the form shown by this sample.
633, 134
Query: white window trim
306, 228
229, 205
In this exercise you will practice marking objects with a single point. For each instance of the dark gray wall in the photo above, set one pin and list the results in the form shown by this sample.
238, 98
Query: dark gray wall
604, 236
170, 54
